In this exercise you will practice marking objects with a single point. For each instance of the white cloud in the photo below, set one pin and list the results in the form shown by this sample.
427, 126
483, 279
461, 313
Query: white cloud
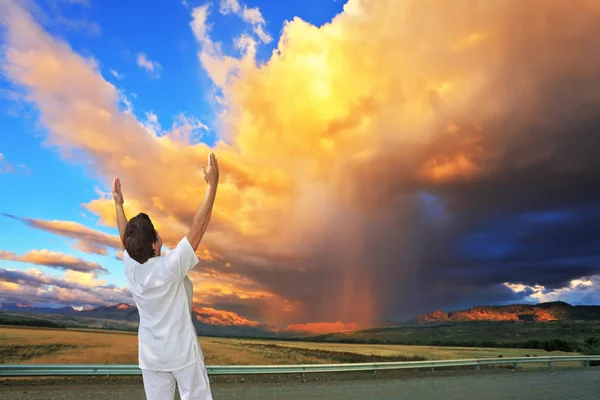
262, 35
5, 166
116, 74
152, 67
186, 128
582, 290
152, 117
229, 6
152, 126
245, 43
219, 66
253, 16
125, 102
199, 24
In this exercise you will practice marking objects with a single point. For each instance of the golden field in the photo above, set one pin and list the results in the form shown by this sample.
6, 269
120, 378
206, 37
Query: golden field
58, 346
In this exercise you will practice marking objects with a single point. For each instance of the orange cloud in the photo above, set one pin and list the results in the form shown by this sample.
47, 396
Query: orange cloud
10, 287
88, 240
461, 158
211, 282
211, 316
231, 290
319, 328
83, 278
249, 195
55, 260
217, 288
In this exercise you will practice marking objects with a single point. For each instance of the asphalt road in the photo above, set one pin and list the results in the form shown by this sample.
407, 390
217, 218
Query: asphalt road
551, 384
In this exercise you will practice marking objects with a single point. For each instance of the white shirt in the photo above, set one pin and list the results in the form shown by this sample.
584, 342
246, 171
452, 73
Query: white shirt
163, 295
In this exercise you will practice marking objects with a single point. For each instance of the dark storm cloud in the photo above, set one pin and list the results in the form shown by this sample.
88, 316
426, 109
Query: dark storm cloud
539, 157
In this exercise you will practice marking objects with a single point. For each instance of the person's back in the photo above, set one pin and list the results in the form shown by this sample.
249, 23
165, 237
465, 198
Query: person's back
163, 304
168, 349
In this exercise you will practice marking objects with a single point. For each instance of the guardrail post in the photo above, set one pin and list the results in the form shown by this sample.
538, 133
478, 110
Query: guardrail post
432, 369
516, 366
586, 363
477, 367
549, 364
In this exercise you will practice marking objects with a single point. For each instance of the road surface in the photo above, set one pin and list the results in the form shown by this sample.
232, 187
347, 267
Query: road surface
550, 384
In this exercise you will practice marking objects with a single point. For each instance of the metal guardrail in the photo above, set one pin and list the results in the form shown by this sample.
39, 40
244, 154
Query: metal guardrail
7, 370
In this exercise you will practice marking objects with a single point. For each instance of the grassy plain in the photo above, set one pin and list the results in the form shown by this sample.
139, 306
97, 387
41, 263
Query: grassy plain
500, 332
19, 345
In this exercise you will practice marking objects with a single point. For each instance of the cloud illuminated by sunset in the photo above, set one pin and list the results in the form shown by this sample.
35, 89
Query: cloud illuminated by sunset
320, 328
329, 145
88, 240
53, 259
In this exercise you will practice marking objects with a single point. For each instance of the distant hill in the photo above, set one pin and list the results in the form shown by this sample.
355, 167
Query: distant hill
550, 326
126, 317
209, 321
119, 311
44, 310
552, 311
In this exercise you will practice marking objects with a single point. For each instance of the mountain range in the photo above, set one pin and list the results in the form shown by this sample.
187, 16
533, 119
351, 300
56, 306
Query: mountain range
209, 321
206, 320
551, 311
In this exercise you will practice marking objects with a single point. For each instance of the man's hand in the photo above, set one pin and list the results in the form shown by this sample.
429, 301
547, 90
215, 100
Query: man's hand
211, 176
116, 191
202, 217
121, 218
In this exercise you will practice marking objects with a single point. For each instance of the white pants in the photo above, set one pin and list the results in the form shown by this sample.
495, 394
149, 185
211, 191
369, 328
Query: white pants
192, 382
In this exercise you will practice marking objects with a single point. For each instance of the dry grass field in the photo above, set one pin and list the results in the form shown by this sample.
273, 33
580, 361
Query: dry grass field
58, 346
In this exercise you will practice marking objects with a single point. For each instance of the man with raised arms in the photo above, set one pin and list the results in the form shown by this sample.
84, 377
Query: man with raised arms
168, 348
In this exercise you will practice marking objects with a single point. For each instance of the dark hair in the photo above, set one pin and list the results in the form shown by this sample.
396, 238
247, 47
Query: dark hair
139, 237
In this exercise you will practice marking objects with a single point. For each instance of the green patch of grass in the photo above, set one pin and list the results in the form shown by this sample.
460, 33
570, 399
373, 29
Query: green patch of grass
592, 348
17, 321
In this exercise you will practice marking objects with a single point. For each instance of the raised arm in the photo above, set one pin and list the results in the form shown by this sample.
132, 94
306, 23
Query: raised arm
121, 219
202, 217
